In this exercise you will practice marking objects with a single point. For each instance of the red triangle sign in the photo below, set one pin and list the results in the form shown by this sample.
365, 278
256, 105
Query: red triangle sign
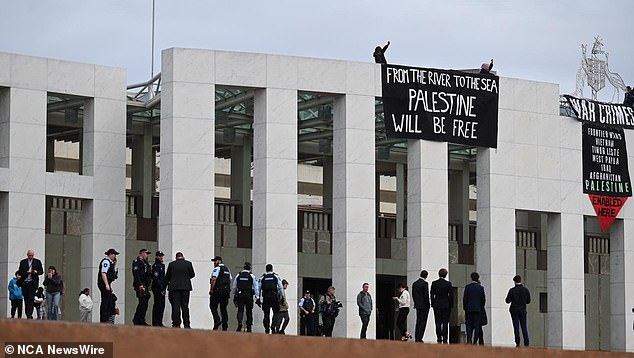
607, 208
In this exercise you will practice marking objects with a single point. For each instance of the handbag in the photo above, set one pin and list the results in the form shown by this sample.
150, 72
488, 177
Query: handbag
483, 317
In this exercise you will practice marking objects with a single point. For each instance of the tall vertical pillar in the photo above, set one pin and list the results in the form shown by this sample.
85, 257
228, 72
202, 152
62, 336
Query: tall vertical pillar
566, 317
103, 217
495, 242
187, 169
427, 216
241, 179
23, 207
622, 283
326, 192
275, 187
354, 208
142, 169
465, 201
400, 200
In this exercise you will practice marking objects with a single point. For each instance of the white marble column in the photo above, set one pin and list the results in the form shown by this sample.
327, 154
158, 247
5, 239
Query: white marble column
427, 217
241, 179
23, 207
566, 317
142, 169
275, 190
622, 282
354, 209
103, 217
400, 200
187, 170
495, 243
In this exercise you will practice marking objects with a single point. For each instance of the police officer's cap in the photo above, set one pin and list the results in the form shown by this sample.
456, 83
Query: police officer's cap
216, 258
111, 251
159, 253
145, 250
247, 265
307, 292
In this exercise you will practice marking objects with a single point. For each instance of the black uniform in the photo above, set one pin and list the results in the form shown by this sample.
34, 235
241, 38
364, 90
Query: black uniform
243, 291
106, 308
220, 297
270, 285
159, 285
142, 273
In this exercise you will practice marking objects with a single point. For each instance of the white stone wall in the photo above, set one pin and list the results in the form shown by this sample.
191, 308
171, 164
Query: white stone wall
26, 81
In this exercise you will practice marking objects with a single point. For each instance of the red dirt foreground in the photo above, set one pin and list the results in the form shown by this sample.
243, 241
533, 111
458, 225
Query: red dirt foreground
131, 341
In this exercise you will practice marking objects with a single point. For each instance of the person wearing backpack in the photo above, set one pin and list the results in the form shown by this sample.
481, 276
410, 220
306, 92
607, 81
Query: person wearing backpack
219, 292
271, 290
245, 286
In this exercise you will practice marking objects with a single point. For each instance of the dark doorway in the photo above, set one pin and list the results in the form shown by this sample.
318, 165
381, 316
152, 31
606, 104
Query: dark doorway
385, 306
317, 287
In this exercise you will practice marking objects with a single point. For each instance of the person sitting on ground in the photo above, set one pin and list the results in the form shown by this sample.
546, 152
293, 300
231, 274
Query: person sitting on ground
486, 67
379, 53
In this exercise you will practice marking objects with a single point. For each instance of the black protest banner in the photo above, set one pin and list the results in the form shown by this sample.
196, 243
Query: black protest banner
610, 114
605, 170
441, 105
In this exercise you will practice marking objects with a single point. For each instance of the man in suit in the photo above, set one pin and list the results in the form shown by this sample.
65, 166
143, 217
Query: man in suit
420, 293
30, 269
473, 304
179, 283
519, 297
442, 302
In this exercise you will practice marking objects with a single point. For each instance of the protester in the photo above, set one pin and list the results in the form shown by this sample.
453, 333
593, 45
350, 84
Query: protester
486, 67
379, 53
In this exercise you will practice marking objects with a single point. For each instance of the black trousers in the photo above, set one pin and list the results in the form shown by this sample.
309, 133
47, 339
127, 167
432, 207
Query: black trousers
365, 320
328, 320
16, 305
28, 291
421, 323
472, 324
245, 304
106, 307
141, 307
270, 303
219, 299
441, 317
158, 308
307, 325
179, 300
401, 320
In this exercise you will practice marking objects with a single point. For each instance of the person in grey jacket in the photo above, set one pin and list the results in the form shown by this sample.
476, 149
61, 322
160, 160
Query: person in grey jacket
364, 301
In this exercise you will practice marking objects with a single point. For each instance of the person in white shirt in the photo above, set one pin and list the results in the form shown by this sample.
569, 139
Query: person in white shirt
403, 310
85, 306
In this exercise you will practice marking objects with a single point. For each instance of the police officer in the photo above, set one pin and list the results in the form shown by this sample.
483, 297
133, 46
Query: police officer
142, 274
245, 286
307, 315
105, 276
271, 290
159, 285
219, 292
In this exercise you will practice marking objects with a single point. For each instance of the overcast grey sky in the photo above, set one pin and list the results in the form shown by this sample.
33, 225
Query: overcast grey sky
537, 40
